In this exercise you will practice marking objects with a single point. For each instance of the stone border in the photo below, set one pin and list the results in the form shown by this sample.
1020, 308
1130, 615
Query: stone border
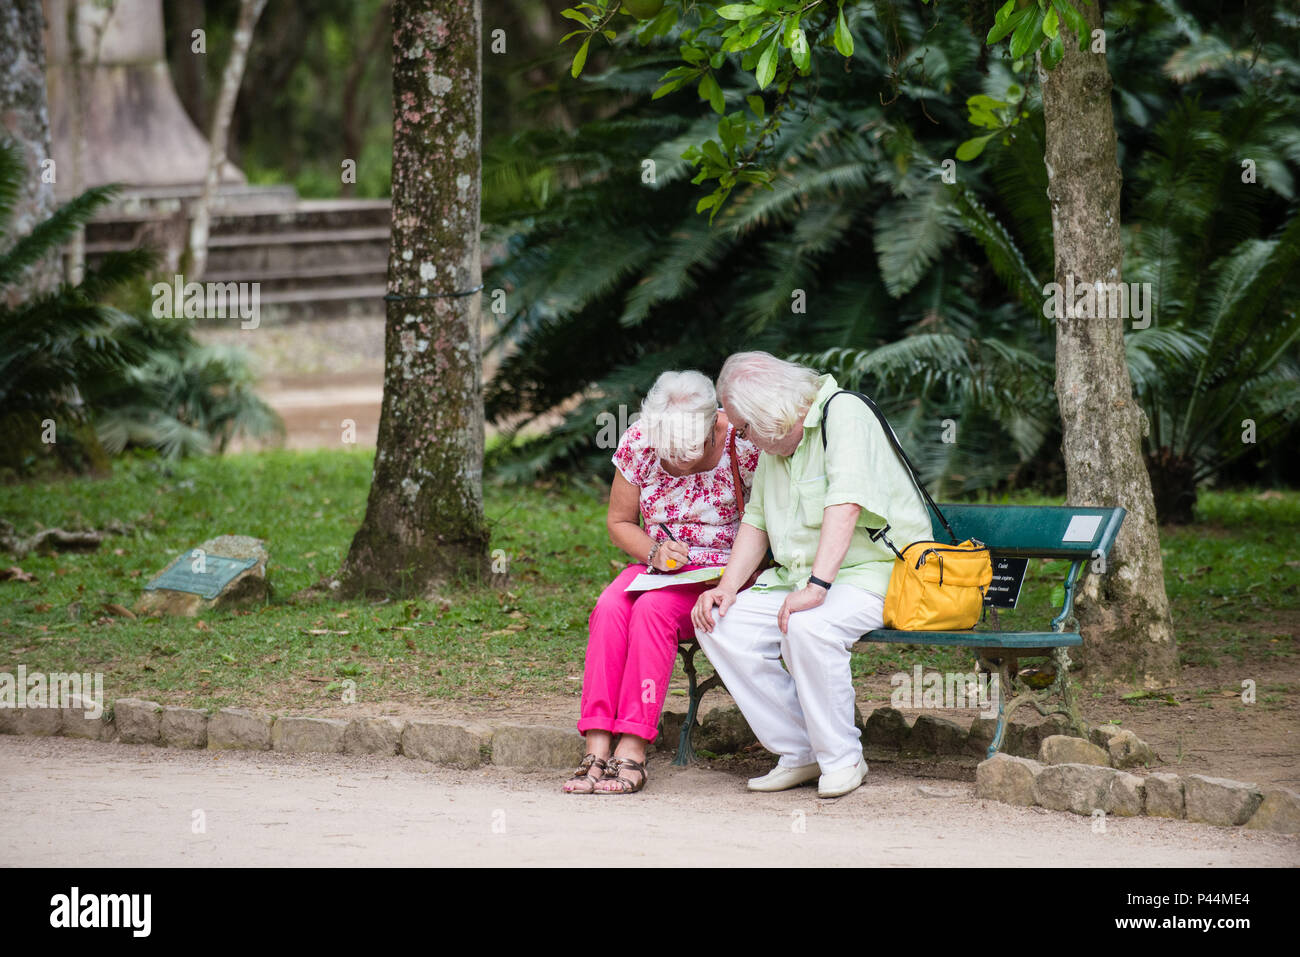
1092, 789
455, 743
1055, 782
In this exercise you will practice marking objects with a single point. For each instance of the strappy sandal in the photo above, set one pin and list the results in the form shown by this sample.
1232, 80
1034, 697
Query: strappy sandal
584, 772
614, 772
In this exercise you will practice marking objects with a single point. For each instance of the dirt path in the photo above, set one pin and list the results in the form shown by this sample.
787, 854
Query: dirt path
123, 805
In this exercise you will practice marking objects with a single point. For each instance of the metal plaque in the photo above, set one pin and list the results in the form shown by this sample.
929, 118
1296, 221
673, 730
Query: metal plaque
202, 575
1008, 579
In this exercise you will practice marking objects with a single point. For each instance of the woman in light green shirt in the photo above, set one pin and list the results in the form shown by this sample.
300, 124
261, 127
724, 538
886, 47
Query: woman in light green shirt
812, 503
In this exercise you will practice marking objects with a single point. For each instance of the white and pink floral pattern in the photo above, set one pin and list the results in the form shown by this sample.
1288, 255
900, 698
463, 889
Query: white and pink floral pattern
699, 509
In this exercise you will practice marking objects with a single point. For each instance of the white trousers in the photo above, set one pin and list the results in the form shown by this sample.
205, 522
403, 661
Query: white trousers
805, 714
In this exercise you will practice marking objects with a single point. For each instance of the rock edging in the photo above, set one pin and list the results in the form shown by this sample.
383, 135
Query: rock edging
1092, 789
456, 743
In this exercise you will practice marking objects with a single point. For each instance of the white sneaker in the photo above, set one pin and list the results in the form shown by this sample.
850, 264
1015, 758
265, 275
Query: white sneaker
779, 778
842, 781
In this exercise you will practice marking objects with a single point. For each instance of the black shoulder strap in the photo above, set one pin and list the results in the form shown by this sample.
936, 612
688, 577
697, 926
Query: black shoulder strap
893, 440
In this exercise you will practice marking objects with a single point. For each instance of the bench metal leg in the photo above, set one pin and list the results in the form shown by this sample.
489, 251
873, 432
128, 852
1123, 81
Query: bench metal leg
1061, 688
685, 749
1004, 712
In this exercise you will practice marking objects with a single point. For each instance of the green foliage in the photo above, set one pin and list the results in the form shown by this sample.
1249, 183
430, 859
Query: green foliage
92, 359
927, 292
775, 41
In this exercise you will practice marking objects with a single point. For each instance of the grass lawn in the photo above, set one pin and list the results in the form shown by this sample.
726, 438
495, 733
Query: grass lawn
1234, 580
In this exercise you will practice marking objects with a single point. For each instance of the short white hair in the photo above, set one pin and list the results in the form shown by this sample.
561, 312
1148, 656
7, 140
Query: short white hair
771, 395
678, 414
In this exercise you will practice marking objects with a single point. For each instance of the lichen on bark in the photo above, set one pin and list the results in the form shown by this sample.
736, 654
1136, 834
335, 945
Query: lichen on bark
424, 518
25, 122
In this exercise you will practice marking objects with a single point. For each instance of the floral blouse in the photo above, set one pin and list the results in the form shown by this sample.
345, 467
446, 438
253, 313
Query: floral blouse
700, 509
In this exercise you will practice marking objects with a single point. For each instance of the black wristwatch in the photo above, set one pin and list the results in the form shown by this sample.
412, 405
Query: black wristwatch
814, 580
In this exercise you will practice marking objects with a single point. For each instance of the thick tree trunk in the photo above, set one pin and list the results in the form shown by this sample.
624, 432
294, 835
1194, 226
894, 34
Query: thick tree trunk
424, 518
1123, 613
25, 121
249, 11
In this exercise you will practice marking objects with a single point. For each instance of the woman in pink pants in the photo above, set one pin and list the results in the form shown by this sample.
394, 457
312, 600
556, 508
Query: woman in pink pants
672, 507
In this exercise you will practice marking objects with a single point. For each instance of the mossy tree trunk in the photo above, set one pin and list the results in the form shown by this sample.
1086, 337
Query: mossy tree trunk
25, 121
1123, 613
424, 519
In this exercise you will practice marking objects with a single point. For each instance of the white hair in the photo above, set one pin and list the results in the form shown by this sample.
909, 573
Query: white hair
768, 393
678, 414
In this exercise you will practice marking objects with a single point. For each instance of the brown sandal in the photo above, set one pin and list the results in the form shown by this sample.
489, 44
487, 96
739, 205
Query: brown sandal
614, 772
584, 772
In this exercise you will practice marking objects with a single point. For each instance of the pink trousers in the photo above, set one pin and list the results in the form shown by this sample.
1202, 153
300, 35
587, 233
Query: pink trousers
630, 651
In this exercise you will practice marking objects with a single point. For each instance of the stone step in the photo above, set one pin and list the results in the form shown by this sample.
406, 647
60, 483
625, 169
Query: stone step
286, 258
324, 274
309, 215
313, 258
285, 297
299, 237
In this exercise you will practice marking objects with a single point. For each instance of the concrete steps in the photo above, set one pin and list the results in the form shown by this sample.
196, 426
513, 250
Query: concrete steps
313, 258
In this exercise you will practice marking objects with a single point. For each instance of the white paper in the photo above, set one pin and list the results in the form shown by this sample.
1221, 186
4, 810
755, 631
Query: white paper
660, 580
1082, 528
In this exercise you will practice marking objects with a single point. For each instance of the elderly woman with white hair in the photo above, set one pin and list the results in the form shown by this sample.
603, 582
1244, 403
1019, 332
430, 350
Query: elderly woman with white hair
672, 507
822, 483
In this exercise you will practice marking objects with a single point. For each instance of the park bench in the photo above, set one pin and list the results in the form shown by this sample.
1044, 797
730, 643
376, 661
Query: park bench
1083, 536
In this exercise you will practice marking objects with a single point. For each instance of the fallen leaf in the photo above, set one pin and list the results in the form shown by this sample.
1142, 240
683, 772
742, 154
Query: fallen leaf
14, 573
120, 611
42, 607
202, 626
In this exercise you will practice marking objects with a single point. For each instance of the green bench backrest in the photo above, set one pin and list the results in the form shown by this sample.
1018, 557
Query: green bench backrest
1033, 531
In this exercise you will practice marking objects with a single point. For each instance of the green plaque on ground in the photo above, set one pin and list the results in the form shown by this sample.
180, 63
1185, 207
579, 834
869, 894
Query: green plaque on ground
216, 573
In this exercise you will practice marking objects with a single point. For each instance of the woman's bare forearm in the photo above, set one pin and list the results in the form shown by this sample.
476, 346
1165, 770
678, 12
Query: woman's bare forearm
630, 539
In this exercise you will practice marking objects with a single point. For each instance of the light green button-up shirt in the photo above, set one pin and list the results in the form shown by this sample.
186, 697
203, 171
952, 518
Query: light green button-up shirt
859, 466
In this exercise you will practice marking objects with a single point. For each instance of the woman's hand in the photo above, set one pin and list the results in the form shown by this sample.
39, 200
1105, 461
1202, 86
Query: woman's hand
702, 613
671, 551
809, 596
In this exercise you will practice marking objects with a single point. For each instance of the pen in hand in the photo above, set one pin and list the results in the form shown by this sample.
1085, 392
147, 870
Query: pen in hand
671, 562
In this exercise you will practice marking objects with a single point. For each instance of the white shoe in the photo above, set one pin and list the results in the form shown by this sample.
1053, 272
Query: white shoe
779, 778
842, 781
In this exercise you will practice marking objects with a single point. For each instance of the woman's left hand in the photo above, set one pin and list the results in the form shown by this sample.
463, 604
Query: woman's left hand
809, 596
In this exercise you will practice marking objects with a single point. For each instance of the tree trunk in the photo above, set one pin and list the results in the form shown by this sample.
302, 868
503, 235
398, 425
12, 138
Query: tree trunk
25, 121
249, 11
1123, 613
424, 518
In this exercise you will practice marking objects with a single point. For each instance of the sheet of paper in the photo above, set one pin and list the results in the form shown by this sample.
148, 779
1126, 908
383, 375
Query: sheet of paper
660, 580
1082, 528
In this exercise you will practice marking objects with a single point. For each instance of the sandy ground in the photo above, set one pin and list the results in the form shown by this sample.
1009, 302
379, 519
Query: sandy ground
124, 805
